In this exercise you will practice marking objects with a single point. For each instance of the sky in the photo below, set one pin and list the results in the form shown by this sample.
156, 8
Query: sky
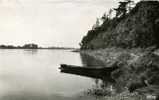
49, 22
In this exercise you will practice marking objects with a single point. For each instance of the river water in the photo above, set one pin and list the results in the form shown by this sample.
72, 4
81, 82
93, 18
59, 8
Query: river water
35, 75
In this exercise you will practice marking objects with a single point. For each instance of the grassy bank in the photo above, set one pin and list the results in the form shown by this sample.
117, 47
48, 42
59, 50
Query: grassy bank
138, 71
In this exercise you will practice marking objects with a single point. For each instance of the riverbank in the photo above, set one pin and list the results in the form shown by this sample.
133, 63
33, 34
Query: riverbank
138, 70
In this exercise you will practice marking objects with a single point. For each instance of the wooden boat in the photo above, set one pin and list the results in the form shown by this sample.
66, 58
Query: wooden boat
95, 72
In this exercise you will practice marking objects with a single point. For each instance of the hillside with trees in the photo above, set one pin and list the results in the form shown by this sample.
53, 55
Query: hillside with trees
130, 40
132, 26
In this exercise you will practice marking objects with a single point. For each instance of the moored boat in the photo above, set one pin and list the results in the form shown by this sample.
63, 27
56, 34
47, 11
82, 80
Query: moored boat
96, 72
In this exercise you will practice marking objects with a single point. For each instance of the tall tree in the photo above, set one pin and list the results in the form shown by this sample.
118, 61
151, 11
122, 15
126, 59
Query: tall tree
123, 8
97, 24
130, 4
104, 17
110, 13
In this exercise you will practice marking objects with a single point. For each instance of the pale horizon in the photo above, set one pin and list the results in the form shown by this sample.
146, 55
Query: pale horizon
49, 22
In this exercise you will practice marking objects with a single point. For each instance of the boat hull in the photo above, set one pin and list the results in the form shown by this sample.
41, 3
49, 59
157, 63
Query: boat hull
95, 72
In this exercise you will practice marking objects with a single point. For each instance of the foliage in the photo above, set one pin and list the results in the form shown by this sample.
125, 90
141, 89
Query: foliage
135, 28
32, 46
26, 46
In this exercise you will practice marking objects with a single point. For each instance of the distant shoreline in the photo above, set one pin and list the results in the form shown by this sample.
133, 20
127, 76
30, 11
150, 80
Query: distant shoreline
33, 46
42, 48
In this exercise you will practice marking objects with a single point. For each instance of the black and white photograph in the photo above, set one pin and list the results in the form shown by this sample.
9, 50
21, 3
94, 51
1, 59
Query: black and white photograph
79, 49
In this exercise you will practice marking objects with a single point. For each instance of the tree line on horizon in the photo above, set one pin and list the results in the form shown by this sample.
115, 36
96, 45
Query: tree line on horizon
25, 46
31, 46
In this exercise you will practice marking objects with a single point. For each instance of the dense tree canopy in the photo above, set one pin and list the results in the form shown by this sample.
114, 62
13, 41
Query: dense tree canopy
135, 28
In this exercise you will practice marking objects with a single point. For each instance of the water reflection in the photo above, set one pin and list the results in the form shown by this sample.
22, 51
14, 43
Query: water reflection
34, 75
90, 61
104, 84
31, 51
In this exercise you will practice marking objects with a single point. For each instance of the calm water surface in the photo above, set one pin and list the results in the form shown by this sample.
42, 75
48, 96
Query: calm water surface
34, 75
